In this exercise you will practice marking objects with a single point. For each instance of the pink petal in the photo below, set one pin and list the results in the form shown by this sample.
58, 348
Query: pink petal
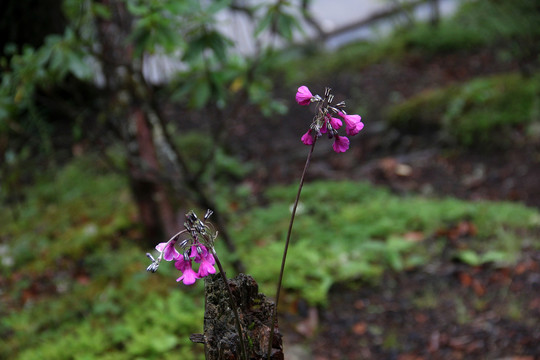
351, 131
353, 122
182, 264
205, 256
188, 278
193, 251
205, 269
210, 259
303, 95
341, 144
161, 246
335, 123
171, 253
307, 138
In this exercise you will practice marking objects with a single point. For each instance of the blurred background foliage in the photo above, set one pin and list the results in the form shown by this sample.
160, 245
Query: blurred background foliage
97, 163
474, 113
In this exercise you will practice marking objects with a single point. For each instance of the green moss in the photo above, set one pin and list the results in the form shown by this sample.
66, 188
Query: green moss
477, 113
157, 326
420, 112
450, 36
82, 281
348, 230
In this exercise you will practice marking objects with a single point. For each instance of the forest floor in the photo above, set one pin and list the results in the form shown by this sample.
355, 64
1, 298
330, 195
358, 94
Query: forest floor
446, 310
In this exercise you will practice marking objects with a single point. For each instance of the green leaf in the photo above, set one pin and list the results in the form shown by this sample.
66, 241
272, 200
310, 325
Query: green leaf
218, 43
165, 37
497, 257
394, 260
285, 25
78, 67
469, 257
136, 8
164, 343
179, 7
57, 62
264, 23
141, 38
217, 6
200, 94
101, 11
212, 40
194, 49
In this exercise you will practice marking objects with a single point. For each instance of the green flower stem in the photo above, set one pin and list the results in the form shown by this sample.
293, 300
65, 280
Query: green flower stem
233, 307
287, 241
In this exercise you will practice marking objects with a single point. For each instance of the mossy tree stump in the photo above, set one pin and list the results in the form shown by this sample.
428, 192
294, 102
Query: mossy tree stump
220, 338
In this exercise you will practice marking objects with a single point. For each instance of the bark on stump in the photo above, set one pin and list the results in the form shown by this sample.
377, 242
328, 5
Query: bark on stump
220, 337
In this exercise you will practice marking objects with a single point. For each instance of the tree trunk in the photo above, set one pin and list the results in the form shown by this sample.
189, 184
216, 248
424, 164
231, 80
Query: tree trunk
154, 206
155, 209
220, 337
435, 13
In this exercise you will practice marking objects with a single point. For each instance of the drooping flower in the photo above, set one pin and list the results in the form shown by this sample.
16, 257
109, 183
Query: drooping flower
206, 261
353, 122
331, 124
307, 138
188, 274
303, 95
335, 122
168, 250
353, 131
341, 144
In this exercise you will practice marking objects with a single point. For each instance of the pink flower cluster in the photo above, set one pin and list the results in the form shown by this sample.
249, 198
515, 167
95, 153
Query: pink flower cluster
183, 262
325, 123
198, 247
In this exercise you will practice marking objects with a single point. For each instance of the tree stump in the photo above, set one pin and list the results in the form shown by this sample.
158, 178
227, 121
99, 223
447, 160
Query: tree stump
220, 338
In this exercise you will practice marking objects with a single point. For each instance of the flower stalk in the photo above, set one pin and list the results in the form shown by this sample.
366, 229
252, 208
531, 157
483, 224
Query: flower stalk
285, 250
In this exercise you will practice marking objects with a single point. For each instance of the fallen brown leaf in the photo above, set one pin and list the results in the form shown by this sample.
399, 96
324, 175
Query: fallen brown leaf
359, 328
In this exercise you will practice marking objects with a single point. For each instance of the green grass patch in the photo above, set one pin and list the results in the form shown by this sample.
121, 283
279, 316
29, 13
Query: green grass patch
74, 282
116, 325
477, 113
65, 215
348, 231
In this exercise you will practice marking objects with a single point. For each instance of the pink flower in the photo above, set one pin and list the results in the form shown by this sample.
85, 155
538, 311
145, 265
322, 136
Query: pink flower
168, 250
307, 138
353, 122
341, 144
206, 261
335, 123
188, 274
356, 130
303, 96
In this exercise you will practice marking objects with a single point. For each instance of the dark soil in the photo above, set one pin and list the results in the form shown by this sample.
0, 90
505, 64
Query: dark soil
445, 310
